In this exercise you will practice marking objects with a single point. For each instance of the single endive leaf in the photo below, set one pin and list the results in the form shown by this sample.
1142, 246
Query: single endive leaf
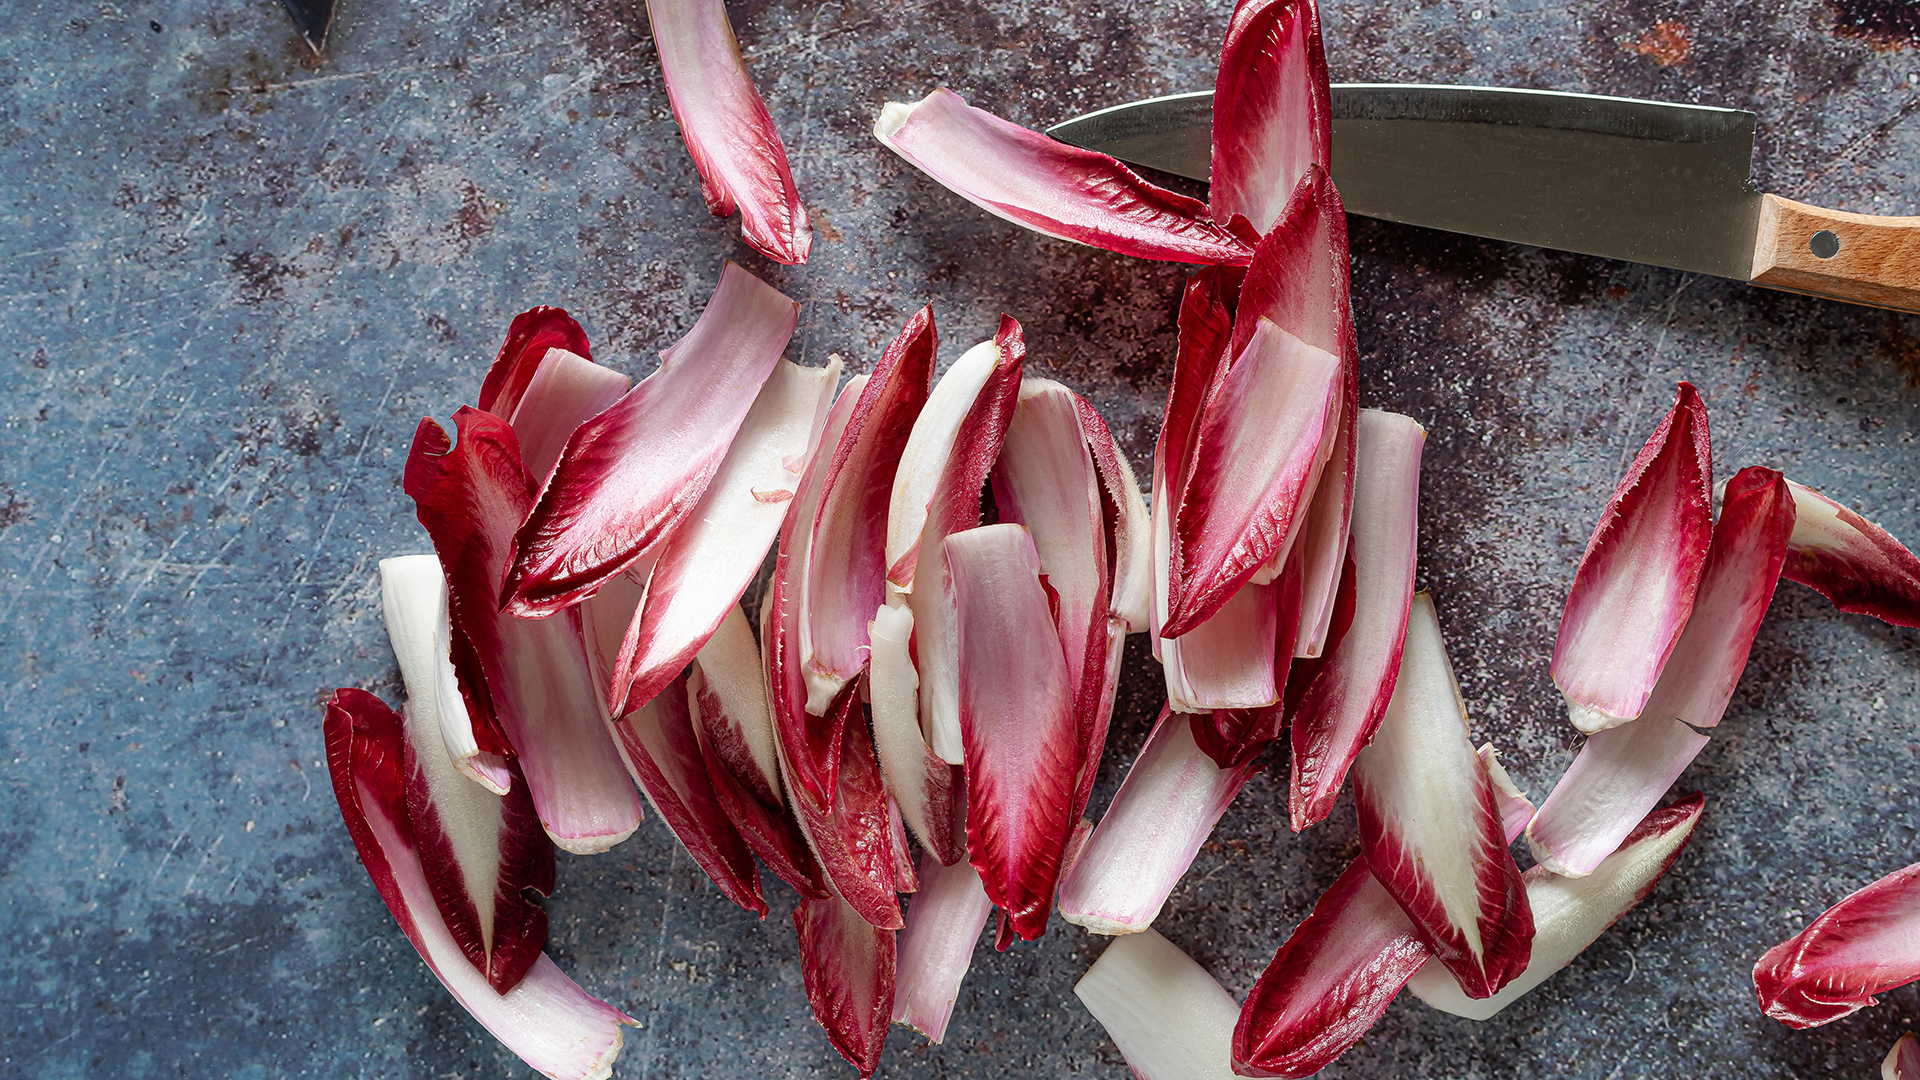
944, 920
529, 337
1637, 580
1903, 1060
552, 1024
1272, 109
1017, 719
846, 571
1851, 561
1169, 1018
1342, 702
727, 129
1165, 809
847, 965
1864, 945
1050, 187
1429, 824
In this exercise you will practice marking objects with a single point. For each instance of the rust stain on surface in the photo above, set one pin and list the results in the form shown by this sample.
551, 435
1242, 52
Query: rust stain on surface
1666, 44
1902, 348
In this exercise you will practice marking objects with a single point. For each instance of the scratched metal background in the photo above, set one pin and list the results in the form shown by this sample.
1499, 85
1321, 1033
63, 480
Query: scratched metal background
232, 278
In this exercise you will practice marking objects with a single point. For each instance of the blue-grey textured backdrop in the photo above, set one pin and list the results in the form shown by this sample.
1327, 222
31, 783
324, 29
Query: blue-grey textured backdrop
232, 278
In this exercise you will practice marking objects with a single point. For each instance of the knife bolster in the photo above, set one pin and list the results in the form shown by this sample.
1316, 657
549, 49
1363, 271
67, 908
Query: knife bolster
1870, 260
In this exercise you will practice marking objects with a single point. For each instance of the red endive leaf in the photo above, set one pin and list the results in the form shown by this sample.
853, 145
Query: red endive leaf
1062, 477
944, 920
846, 570
480, 852
1750, 545
1320, 552
1618, 775
809, 746
566, 390
663, 754
1017, 720
1163, 812
1574, 912
1272, 109
546, 1019
921, 781
1259, 450
1851, 561
733, 724
1636, 582
954, 443
1340, 708
771, 832
1903, 1060
1234, 737
1199, 370
468, 727
1298, 279
1341, 967
1169, 1018
1227, 662
853, 842
529, 337
1330, 981
952, 504
1864, 945
1429, 826
1622, 772
630, 475
706, 565
1129, 525
470, 497
1050, 187
847, 965
728, 131
729, 698
1046, 480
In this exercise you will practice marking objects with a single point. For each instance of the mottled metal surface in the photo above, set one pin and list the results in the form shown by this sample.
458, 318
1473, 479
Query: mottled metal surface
232, 278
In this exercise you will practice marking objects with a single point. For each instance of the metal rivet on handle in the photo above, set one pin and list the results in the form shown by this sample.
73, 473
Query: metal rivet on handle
1824, 244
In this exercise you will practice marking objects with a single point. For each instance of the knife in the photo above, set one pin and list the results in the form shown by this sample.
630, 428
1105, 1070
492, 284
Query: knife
1645, 181
311, 18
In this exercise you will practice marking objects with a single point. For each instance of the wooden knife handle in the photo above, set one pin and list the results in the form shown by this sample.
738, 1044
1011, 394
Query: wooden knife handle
1858, 258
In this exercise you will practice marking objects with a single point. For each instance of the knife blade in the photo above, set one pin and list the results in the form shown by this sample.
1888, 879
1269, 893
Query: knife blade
311, 18
1646, 181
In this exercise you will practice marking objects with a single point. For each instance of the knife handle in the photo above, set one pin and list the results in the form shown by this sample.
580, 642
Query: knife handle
1859, 258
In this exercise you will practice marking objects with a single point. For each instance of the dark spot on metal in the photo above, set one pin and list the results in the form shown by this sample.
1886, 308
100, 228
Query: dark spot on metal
15, 509
471, 221
1885, 25
260, 274
154, 25
1824, 244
